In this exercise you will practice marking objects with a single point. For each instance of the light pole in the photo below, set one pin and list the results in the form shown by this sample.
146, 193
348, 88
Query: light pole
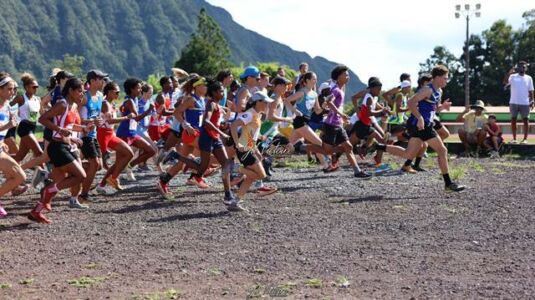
467, 12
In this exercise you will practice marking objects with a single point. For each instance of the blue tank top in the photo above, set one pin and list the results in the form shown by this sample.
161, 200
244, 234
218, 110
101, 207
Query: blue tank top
127, 128
94, 108
4, 119
194, 115
223, 102
306, 104
428, 107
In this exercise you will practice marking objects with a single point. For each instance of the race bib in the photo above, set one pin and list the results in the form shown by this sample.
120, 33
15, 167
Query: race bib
132, 124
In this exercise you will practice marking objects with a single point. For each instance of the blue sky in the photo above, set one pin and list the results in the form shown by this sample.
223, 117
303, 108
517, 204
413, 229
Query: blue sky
374, 38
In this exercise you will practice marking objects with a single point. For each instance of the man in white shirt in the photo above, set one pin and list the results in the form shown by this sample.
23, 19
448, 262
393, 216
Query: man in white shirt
521, 101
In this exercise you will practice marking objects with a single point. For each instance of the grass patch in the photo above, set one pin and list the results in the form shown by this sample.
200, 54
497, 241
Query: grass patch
497, 171
342, 282
259, 271
476, 166
314, 283
27, 281
90, 266
457, 172
295, 164
215, 271
509, 164
256, 291
5, 286
86, 281
281, 290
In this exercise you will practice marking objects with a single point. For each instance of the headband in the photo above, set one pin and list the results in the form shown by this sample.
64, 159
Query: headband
6, 80
201, 81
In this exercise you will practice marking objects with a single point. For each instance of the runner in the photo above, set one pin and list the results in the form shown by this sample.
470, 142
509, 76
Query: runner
144, 103
68, 171
13, 173
423, 106
127, 129
334, 137
245, 145
29, 107
108, 140
90, 112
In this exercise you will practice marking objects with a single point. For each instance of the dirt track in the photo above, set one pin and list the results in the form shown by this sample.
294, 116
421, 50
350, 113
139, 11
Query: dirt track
389, 237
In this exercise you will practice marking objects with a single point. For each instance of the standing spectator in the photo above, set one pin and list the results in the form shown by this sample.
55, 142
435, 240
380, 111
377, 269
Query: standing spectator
473, 132
521, 101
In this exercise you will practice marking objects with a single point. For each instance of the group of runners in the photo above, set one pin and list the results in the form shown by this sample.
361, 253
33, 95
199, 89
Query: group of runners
202, 126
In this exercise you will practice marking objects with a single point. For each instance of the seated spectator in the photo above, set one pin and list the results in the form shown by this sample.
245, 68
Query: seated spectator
473, 133
494, 140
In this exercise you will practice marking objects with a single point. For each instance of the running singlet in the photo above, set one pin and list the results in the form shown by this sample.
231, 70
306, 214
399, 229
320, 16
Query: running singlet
251, 128
67, 120
216, 120
427, 107
194, 115
142, 106
29, 111
306, 103
92, 110
111, 114
127, 128
399, 117
4, 119
364, 112
333, 118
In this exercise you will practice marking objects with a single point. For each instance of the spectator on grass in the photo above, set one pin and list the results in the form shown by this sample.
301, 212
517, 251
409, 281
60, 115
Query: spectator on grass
473, 133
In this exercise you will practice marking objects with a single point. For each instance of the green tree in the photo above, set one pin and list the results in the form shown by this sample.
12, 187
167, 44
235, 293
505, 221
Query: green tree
207, 52
71, 63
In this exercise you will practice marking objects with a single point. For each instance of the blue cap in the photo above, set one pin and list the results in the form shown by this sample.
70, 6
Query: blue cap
250, 71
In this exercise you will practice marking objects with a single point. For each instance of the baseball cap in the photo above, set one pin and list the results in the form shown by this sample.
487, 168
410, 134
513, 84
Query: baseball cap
94, 74
280, 80
250, 71
404, 84
324, 85
261, 96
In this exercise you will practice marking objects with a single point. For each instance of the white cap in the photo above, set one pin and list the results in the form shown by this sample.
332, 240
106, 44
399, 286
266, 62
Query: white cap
324, 85
261, 96
405, 83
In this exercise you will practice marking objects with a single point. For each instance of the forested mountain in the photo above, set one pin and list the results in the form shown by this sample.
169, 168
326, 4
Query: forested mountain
126, 37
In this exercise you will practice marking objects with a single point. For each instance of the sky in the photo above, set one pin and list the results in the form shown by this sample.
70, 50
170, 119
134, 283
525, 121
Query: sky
374, 38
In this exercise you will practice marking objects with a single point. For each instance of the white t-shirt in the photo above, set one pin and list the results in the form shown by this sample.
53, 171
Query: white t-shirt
520, 88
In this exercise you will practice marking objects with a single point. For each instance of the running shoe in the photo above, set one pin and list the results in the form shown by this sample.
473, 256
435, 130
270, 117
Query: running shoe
169, 156
331, 168
74, 203
84, 198
164, 190
102, 190
198, 181
524, 142
21, 189
114, 183
39, 176
265, 190
229, 200
362, 175
454, 187
513, 142
144, 168
38, 217
236, 205
494, 154
408, 169
418, 168
3, 212
160, 143
130, 174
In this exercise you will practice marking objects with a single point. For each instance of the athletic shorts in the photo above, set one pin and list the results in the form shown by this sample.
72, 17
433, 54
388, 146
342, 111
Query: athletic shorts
175, 133
159, 132
315, 125
11, 133
361, 130
61, 154
437, 124
395, 128
333, 135
107, 140
25, 128
90, 148
247, 158
188, 139
300, 122
130, 139
426, 134
516, 109
207, 143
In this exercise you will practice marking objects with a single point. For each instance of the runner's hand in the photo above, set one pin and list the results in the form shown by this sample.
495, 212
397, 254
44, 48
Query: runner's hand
190, 130
64, 132
446, 104
77, 141
12, 122
421, 124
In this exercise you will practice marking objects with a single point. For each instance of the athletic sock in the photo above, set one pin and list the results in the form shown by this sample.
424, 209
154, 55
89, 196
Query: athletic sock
447, 179
417, 161
165, 178
407, 163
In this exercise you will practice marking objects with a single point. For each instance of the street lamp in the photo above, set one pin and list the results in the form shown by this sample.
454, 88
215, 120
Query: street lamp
467, 12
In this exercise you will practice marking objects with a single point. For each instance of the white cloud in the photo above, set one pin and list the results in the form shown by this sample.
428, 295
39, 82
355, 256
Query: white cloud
375, 38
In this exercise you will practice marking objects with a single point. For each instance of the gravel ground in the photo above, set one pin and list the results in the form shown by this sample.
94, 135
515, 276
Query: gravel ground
322, 236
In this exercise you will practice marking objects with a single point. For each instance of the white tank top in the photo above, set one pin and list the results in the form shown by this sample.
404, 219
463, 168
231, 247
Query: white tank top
30, 109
